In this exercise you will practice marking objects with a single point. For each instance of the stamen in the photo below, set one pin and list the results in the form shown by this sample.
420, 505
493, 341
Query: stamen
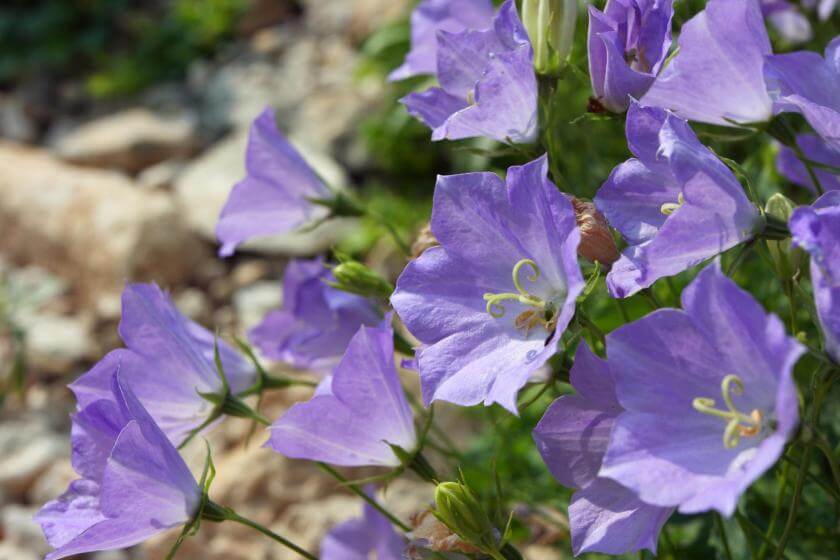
670, 207
737, 423
542, 313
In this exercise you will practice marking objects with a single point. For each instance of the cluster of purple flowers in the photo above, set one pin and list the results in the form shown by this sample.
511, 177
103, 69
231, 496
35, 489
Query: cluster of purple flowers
689, 406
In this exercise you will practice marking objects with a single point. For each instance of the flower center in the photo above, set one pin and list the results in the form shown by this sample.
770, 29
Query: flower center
542, 313
738, 424
670, 207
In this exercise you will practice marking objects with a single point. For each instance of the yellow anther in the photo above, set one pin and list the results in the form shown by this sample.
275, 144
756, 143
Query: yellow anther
738, 424
670, 207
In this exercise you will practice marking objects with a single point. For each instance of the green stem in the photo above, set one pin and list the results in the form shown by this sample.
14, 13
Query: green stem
819, 395
236, 518
823, 445
777, 508
359, 492
744, 523
723, 539
808, 167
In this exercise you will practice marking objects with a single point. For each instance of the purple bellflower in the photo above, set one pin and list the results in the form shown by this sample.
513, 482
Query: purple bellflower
572, 437
134, 483
817, 230
355, 421
676, 203
277, 193
168, 361
357, 538
487, 84
716, 77
316, 323
708, 396
806, 83
814, 149
627, 44
491, 302
787, 20
427, 19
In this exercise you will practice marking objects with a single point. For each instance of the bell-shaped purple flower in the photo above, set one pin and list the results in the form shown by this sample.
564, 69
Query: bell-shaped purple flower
708, 396
806, 83
134, 483
276, 195
316, 323
716, 77
168, 361
487, 84
491, 302
431, 16
816, 229
357, 538
791, 24
627, 44
357, 418
676, 203
814, 149
572, 437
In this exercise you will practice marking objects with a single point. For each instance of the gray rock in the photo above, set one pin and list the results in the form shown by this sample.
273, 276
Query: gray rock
254, 301
92, 228
160, 176
15, 124
130, 140
27, 449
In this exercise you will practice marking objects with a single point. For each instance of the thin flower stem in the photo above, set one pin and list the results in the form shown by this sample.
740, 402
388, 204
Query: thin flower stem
654, 301
236, 518
359, 492
794, 507
765, 540
808, 167
777, 508
723, 538
819, 395
743, 524
823, 445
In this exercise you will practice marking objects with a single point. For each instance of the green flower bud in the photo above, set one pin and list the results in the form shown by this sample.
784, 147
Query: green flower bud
787, 259
457, 507
356, 278
551, 28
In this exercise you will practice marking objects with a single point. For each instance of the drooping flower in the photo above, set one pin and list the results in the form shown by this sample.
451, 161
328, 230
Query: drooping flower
708, 396
572, 437
356, 420
168, 361
627, 44
676, 203
431, 16
487, 84
815, 150
791, 24
806, 83
491, 302
816, 229
316, 323
357, 538
134, 483
716, 77
276, 195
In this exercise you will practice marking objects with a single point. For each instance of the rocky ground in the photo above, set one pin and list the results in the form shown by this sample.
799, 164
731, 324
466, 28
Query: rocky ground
92, 194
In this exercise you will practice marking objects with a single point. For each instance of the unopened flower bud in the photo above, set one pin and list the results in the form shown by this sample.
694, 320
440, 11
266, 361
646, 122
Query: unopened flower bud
551, 28
354, 277
596, 240
425, 239
457, 507
786, 258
